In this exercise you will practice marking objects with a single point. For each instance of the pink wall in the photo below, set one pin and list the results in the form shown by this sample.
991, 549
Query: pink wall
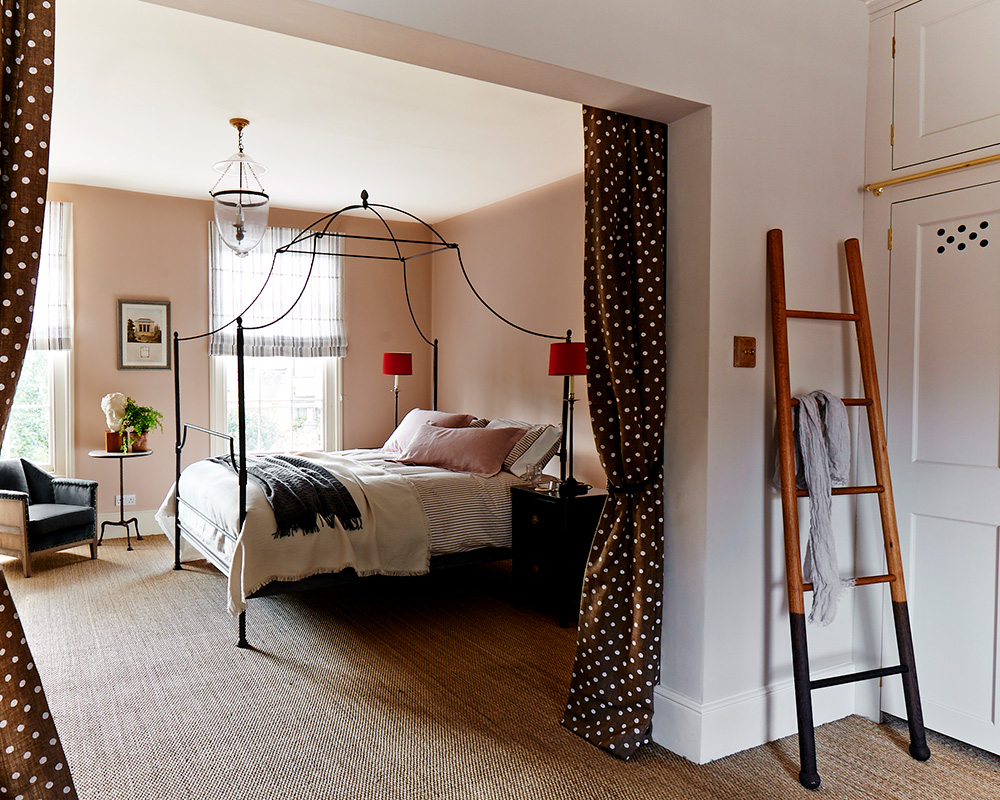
525, 257
150, 247
378, 321
523, 254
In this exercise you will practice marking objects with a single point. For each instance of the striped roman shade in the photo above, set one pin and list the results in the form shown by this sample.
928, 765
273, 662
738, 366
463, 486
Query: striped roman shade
51, 323
315, 325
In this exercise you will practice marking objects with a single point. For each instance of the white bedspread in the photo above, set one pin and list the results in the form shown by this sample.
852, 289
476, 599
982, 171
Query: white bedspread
409, 513
393, 539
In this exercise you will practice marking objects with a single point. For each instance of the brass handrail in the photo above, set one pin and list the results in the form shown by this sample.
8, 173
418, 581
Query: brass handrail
876, 188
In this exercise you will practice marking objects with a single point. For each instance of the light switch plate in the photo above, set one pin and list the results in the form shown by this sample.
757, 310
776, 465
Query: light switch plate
744, 351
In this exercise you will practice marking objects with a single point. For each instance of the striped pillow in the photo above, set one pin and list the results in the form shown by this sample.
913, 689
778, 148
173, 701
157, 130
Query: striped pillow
532, 434
541, 452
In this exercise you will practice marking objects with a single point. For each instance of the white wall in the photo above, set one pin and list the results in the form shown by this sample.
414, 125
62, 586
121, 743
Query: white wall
783, 146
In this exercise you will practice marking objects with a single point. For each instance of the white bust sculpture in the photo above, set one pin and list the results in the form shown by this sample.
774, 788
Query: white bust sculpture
113, 406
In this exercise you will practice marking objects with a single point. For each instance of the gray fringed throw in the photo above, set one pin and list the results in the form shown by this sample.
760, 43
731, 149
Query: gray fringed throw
299, 490
823, 439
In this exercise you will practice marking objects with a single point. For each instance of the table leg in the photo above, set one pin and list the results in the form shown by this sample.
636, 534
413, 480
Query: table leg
137, 536
121, 501
121, 512
123, 522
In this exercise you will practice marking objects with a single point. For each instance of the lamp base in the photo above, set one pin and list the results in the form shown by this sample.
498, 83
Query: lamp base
571, 487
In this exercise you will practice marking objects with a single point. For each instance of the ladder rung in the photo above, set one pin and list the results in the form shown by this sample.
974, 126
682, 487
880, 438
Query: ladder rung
865, 580
876, 489
847, 401
837, 680
836, 315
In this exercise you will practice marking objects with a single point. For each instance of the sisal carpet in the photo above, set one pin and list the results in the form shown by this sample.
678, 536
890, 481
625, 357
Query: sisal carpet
434, 687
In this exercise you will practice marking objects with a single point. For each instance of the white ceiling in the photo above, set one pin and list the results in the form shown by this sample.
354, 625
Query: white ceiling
143, 96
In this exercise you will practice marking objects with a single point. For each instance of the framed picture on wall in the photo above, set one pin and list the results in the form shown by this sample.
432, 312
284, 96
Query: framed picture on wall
143, 334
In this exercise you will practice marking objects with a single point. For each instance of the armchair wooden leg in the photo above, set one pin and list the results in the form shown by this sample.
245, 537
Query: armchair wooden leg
27, 563
93, 549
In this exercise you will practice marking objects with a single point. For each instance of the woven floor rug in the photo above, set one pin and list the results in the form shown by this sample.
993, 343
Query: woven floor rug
433, 687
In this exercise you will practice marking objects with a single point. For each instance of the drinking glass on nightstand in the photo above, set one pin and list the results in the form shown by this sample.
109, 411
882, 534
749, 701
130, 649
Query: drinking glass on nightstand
533, 475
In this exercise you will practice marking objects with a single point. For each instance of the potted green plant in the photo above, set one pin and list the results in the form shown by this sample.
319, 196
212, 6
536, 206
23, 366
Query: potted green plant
136, 422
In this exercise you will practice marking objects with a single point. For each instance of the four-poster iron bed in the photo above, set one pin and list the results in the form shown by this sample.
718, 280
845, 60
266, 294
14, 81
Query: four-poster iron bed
460, 518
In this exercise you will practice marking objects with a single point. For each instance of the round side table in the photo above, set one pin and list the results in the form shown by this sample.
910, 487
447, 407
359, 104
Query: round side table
121, 492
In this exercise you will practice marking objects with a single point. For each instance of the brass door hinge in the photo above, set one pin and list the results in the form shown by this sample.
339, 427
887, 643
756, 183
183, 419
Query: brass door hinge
893, 46
892, 134
890, 239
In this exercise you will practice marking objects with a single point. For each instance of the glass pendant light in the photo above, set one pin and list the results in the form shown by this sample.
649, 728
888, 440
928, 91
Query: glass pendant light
241, 205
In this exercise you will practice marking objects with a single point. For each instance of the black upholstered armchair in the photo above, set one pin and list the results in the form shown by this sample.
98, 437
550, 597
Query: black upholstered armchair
39, 513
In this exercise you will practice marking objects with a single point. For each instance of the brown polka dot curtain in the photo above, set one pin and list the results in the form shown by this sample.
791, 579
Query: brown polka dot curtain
26, 54
32, 765
618, 644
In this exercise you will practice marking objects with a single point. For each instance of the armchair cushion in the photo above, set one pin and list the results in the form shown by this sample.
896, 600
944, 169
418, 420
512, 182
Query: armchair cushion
39, 483
54, 524
44, 518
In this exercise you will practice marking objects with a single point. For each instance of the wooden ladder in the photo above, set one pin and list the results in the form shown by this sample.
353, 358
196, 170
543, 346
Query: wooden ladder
780, 314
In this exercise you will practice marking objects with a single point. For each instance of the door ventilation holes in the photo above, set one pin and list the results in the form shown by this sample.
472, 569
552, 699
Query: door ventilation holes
964, 236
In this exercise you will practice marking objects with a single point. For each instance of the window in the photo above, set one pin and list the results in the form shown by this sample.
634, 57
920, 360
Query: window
40, 425
287, 402
291, 369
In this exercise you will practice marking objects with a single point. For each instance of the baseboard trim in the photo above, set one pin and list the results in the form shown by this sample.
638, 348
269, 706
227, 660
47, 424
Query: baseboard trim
703, 732
145, 519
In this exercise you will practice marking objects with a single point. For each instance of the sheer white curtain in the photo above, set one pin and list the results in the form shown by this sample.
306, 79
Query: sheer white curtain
315, 326
51, 323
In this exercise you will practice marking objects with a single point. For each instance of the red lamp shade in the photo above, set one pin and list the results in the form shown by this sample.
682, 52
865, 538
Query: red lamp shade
567, 358
397, 363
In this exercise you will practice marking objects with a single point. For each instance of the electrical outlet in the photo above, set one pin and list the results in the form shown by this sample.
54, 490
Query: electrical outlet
129, 500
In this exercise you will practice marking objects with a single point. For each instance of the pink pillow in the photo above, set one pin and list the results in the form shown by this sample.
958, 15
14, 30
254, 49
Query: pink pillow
480, 451
418, 417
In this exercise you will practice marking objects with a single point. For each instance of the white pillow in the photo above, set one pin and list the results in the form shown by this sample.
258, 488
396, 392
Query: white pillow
542, 450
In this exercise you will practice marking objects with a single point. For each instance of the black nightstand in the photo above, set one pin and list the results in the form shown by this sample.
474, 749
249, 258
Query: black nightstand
552, 536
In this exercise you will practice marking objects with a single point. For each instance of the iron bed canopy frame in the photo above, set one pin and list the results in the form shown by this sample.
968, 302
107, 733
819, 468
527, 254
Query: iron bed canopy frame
306, 242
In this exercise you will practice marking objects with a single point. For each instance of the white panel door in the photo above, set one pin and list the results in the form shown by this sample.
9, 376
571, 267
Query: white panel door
946, 79
943, 431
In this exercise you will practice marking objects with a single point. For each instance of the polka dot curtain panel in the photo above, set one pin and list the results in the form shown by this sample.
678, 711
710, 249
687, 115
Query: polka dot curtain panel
32, 764
618, 643
26, 54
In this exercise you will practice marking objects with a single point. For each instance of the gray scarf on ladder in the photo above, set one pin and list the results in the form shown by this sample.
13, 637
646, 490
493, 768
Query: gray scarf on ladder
823, 461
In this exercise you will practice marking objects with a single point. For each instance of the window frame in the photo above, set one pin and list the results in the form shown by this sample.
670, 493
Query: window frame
60, 369
61, 384
332, 403
60, 412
